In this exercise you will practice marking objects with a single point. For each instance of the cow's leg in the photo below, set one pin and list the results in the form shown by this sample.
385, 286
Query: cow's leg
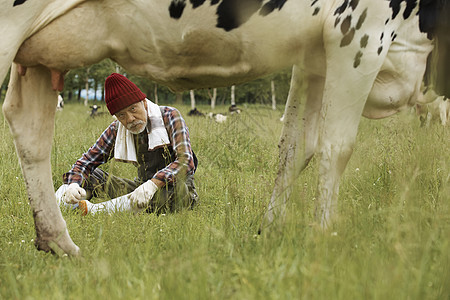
298, 140
443, 110
345, 93
29, 107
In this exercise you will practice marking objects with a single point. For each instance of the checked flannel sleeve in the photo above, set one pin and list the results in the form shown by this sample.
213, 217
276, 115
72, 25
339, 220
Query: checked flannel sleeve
178, 134
98, 154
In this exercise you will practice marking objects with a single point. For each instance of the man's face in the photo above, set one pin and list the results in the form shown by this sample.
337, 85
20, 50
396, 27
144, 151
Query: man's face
133, 117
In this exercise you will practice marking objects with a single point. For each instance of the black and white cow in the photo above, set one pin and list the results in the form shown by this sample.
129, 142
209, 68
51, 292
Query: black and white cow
60, 104
359, 57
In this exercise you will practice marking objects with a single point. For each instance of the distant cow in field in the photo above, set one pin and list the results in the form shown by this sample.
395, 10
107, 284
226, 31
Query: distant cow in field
219, 118
233, 109
60, 104
94, 112
195, 112
358, 57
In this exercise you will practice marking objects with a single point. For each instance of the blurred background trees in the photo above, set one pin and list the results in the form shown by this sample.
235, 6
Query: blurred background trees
87, 83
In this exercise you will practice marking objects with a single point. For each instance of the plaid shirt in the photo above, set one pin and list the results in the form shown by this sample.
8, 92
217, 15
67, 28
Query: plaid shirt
103, 150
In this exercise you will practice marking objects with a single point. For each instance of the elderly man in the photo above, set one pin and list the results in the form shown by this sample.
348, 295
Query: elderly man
154, 138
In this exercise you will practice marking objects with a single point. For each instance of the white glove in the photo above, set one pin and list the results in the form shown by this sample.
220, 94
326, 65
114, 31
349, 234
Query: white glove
141, 196
73, 194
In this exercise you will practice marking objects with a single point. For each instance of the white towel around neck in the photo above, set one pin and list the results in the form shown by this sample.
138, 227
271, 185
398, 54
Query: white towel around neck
124, 148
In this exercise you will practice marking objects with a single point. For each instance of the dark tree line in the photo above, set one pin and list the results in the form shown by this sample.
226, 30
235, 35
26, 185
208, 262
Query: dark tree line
93, 78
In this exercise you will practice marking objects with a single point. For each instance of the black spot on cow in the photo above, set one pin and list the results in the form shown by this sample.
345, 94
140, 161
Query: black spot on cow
382, 36
314, 2
19, 2
393, 35
379, 50
316, 11
434, 14
364, 40
345, 26
354, 4
230, 13
271, 6
348, 38
361, 19
410, 5
176, 8
387, 21
233, 13
341, 8
395, 5
336, 22
357, 60
197, 3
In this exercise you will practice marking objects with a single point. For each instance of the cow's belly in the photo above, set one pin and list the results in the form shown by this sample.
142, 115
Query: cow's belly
204, 58
389, 95
183, 54
397, 85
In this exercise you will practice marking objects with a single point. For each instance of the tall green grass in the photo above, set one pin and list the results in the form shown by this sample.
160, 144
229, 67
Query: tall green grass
390, 242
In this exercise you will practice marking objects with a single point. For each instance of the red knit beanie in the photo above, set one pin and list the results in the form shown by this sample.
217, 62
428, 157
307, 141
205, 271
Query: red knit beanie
120, 92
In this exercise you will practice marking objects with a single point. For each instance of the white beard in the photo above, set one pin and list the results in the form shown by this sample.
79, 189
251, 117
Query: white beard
137, 127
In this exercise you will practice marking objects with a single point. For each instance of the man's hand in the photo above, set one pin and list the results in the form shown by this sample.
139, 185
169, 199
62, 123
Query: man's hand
73, 194
141, 196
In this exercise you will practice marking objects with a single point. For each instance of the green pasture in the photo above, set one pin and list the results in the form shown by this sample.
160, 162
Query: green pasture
390, 242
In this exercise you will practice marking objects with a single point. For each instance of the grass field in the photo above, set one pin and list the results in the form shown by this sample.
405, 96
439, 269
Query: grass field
391, 241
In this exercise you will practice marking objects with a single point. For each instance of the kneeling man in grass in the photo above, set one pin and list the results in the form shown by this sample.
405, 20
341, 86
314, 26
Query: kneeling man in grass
154, 138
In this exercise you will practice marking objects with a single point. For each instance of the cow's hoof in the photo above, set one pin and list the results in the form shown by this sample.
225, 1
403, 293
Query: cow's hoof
63, 245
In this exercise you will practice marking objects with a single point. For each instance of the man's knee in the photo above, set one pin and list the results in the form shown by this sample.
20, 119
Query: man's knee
102, 184
174, 198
